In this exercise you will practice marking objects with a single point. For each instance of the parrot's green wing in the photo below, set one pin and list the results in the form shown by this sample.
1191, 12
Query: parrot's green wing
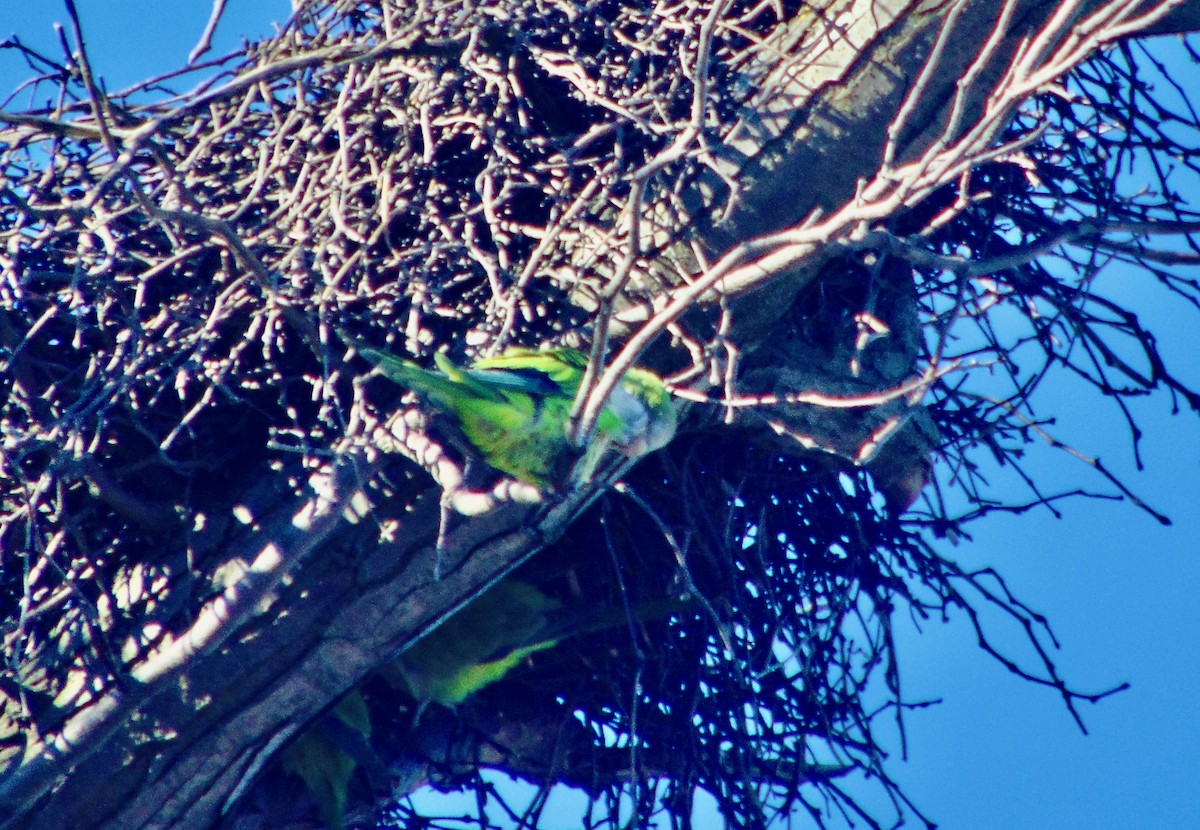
514, 422
640, 416
563, 367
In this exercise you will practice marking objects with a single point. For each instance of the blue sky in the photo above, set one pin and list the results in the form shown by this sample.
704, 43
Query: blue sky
1120, 590
132, 40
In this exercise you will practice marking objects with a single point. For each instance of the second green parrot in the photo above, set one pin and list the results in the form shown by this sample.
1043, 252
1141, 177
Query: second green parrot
513, 409
480, 644
497, 631
326, 767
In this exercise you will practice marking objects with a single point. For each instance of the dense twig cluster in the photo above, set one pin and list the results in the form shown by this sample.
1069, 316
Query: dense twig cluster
471, 176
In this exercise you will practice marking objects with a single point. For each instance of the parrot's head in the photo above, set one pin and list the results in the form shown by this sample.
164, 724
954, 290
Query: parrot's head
647, 413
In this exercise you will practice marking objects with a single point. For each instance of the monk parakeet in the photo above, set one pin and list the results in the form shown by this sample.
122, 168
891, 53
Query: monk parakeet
495, 632
478, 645
513, 409
326, 766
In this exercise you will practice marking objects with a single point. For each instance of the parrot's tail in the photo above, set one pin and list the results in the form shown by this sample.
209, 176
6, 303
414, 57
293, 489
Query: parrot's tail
449, 390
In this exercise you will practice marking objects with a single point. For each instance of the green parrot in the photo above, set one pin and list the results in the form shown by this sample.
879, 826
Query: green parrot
513, 409
319, 757
498, 630
479, 645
